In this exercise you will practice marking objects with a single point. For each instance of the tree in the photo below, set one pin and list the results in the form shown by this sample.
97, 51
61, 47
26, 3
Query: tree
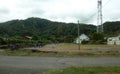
42, 29
97, 38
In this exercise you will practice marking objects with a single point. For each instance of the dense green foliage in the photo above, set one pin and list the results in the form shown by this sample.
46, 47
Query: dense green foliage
41, 29
44, 30
97, 38
112, 28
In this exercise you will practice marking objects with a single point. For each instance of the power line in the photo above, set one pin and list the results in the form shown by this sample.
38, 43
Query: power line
91, 16
106, 3
78, 36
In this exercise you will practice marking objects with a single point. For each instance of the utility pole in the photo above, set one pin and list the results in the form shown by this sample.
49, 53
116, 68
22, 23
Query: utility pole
78, 36
99, 17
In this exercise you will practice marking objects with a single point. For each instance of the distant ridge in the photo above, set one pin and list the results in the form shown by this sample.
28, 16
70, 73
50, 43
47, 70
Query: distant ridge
40, 26
51, 29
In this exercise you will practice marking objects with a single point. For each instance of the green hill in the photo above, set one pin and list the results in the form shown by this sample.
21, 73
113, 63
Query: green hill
49, 30
112, 28
43, 29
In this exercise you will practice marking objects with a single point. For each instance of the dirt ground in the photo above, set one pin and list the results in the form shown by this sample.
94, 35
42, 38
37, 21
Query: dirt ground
64, 47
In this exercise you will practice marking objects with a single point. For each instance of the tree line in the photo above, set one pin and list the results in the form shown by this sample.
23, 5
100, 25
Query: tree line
47, 31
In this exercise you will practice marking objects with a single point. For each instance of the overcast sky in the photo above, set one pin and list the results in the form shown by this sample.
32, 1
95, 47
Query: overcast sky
59, 10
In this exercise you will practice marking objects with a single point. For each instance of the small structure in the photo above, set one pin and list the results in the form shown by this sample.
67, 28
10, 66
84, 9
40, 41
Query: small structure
81, 38
113, 40
27, 37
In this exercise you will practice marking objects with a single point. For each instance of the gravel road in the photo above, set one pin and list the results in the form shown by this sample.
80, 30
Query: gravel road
37, 65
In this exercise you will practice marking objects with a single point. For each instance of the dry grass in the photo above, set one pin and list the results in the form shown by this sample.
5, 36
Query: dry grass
66, 47
67, 50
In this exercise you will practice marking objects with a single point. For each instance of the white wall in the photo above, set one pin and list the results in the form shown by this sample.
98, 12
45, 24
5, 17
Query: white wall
81, 38
113, 41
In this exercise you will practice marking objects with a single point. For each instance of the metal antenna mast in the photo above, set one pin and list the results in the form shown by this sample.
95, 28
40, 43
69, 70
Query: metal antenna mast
99, 17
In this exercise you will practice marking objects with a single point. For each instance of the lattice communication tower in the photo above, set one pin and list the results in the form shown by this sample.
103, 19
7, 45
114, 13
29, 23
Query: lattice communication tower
99, 17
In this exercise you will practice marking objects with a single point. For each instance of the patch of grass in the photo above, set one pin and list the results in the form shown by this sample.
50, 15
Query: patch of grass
86, 70
52, 54
14, 53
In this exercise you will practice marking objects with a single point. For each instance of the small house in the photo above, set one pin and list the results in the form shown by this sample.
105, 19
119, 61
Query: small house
81, 38
113, 40
27, 37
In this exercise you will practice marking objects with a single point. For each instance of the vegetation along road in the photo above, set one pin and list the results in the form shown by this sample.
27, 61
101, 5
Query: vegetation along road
38, 65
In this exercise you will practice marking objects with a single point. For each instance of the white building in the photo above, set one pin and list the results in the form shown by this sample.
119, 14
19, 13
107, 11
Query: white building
81, 38
113, 40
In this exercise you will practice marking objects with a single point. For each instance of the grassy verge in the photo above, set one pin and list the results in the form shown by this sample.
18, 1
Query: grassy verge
58, 54
67, 50
86, 70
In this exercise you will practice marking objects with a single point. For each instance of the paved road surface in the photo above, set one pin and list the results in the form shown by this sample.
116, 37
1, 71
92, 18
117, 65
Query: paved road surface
37, 65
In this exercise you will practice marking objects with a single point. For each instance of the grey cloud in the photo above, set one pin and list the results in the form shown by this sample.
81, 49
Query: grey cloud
63, 10
4, 11
30, 3
114, 17
37, 11
85, 18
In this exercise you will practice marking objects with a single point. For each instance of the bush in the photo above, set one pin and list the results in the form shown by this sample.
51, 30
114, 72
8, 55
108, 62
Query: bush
84, 42
97, 38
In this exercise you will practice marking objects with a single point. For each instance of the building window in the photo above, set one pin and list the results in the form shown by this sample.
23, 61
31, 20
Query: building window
110, 39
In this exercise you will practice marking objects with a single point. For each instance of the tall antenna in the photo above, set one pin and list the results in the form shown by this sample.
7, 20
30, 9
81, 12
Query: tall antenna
99, 17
